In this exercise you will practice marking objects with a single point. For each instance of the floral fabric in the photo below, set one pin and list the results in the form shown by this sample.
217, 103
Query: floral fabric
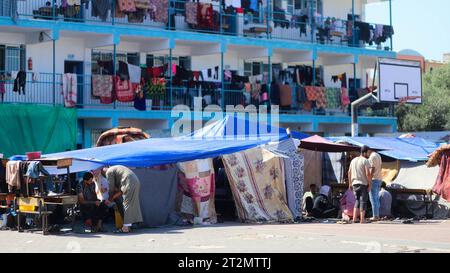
102, 85
256, 179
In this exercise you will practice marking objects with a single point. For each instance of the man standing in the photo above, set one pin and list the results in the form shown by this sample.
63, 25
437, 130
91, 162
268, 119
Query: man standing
375, 171
360, 178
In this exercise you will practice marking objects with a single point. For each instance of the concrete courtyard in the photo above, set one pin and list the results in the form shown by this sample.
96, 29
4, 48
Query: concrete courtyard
429, 236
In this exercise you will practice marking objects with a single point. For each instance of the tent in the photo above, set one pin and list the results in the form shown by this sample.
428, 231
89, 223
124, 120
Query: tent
212, 141
409, 149
233, 127
318, 143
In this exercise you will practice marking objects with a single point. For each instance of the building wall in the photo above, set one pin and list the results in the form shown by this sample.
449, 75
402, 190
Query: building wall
340, 9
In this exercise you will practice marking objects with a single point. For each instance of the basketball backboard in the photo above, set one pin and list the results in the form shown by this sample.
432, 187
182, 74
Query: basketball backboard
400, 81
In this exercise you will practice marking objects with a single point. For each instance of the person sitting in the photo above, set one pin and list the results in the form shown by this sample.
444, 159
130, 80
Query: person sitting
385, 202
322, 207
347, 202
308, 199
92, 209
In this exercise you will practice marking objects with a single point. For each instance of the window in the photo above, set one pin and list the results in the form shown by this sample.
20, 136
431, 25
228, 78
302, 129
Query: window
300, 4
278, 4
184, 61
12, 58
134, 59
290, 6
255, 68
105, 55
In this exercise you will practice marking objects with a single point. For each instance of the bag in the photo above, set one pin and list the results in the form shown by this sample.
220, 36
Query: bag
124, 90
118, 218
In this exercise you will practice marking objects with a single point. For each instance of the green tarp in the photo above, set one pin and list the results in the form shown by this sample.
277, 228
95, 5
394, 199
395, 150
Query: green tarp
27, 128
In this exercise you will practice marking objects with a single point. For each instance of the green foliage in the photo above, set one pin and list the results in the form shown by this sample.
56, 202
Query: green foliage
434, 113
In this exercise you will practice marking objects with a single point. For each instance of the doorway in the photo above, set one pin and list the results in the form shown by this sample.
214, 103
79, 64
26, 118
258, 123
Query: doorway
76, 67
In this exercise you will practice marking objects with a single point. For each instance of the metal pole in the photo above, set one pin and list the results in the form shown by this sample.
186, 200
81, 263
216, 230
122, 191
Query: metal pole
222, 96
354, 108
311, 20
170, 77
269, 81
268, 18
114, 68
390, 22
221, 17
314, 72
54, 71
113, 12
353, 24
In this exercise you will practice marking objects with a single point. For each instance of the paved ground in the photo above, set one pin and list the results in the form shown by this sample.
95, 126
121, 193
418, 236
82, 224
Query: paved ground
432, 236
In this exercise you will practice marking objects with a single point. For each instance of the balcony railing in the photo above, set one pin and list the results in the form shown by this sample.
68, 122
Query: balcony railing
39, 88
266, 23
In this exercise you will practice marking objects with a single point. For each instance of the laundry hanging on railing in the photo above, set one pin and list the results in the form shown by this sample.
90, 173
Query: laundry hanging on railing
316, 94
20, 82
101, 8
123, 90
102, 86
69, 89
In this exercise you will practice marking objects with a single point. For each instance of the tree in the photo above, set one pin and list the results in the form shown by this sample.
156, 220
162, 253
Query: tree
434, 113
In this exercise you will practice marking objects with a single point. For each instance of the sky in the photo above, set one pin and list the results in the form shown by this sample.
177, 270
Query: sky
421, 25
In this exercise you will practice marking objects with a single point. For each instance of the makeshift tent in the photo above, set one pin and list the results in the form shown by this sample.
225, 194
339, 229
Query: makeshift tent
26, 128
318, 143
333, 168
121, 135
313, 168
294, 173
157, 195
233, 127
256, 178
416, 175
197, 189
155, 152
409, 149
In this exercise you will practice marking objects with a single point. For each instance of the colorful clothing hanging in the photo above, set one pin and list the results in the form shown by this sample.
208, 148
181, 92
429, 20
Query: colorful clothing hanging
69, 90
191, 13
102, 85
124, 90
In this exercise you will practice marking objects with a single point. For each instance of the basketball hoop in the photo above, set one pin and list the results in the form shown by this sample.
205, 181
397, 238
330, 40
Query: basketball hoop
404, 100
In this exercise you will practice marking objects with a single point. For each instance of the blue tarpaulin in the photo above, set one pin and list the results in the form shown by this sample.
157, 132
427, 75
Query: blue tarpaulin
233, 127
410, 149
159, 151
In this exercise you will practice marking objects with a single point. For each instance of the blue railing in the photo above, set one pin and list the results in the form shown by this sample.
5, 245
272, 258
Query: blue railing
40, 89
266, 23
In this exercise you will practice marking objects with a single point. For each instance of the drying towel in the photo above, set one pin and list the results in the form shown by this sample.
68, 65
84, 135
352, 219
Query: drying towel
345, 100
191, 13
70, 89
13, 174
102, 85
135, 73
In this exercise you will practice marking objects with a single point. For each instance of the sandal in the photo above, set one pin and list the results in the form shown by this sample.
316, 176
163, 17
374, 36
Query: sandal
120, 231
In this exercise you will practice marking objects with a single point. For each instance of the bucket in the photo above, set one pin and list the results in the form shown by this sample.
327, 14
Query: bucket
27, 208
33, 155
